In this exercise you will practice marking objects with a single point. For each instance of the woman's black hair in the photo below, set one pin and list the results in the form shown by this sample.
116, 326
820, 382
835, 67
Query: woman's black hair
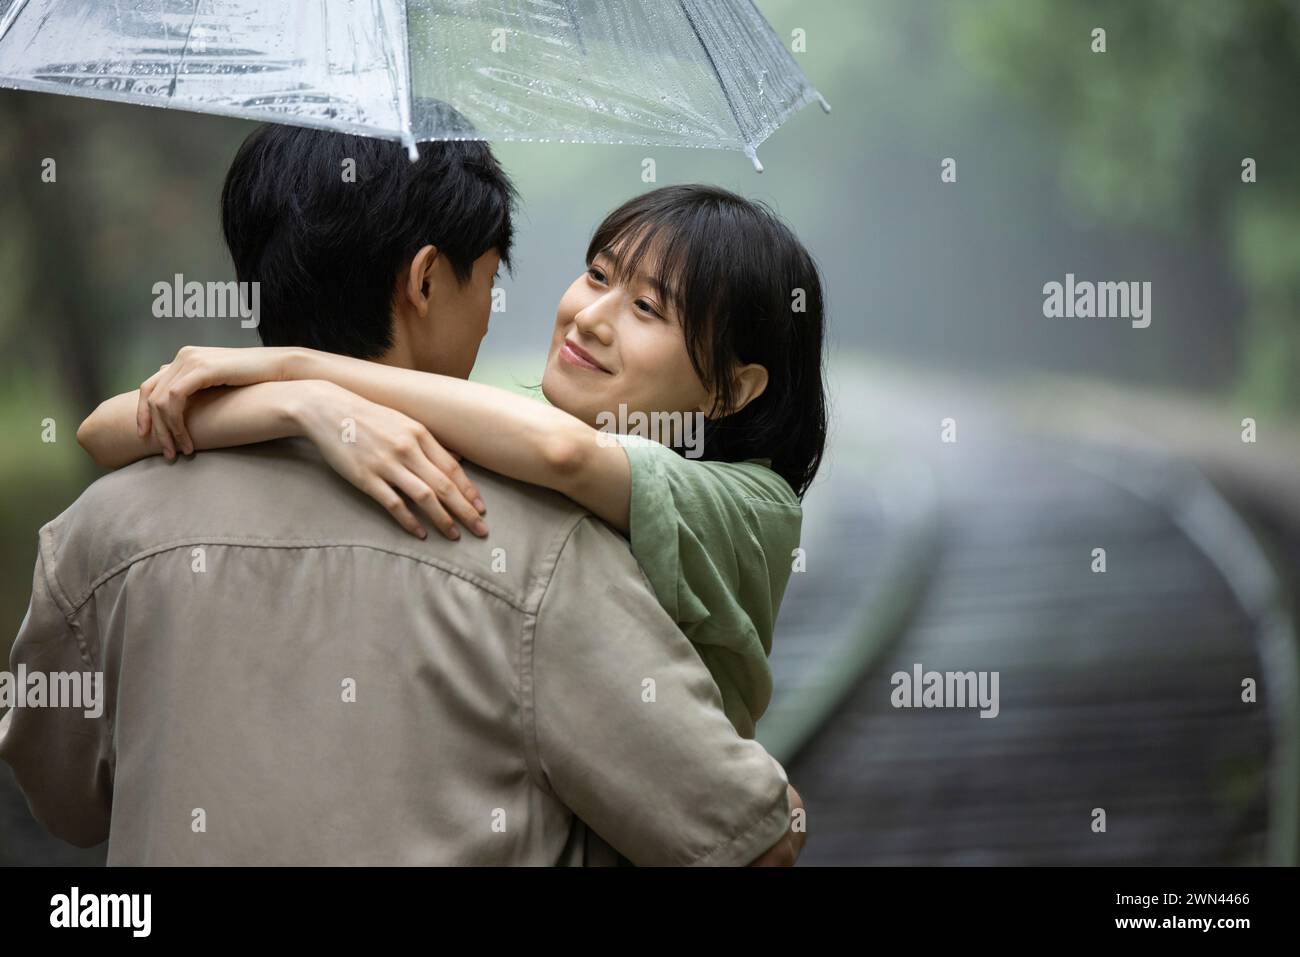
326, 221
747, 291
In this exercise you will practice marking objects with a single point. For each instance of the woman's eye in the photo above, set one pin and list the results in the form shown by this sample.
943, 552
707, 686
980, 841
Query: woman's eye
596, 274
646, 308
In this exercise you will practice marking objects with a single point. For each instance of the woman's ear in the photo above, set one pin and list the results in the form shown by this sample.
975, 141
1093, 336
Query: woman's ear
748, 382
420, 278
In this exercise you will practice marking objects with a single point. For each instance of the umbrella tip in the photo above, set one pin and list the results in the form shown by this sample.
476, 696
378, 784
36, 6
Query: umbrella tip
753, 158
826, 107
412, 150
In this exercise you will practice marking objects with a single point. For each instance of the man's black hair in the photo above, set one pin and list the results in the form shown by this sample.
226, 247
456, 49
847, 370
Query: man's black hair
327, 238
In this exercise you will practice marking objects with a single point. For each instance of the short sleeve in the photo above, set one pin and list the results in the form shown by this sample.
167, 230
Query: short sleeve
626, 724
716, 541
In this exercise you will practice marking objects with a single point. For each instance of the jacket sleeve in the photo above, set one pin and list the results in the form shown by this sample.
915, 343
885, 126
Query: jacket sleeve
60, 756
628, 726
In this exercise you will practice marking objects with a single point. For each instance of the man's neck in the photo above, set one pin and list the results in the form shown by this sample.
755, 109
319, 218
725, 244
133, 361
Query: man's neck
398, 355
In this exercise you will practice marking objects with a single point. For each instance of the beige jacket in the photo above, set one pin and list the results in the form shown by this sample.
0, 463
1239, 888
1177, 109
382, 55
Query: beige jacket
289, 678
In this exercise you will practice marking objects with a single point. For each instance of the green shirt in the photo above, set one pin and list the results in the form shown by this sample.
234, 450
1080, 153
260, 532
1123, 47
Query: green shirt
716, 541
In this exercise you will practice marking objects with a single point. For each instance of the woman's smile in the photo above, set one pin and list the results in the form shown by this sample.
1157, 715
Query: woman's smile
575, 355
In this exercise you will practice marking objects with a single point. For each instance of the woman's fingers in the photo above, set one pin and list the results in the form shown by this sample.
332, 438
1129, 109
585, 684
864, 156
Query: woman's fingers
163, 396
165, 412
163, 436
434, 480
143, 420
419, 492
155, 402
175, 394
156, 423
446, 494
449, 464
382, 493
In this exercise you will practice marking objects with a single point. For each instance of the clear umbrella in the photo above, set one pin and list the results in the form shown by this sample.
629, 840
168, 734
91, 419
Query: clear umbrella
701, 73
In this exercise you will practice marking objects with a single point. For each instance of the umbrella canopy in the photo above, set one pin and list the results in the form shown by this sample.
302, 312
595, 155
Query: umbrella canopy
701, 73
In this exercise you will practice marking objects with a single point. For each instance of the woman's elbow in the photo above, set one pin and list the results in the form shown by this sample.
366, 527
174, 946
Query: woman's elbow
86, 434
565, 454
90, 437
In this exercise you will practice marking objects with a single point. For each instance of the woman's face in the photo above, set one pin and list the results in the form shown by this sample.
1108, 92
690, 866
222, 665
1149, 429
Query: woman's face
619, 342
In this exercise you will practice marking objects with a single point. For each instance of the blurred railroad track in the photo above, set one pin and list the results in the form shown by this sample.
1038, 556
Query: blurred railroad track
1120, 691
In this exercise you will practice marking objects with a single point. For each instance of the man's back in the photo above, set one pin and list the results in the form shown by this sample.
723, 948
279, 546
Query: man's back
292, 679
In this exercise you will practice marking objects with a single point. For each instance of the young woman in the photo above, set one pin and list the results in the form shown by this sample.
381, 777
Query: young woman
696, 305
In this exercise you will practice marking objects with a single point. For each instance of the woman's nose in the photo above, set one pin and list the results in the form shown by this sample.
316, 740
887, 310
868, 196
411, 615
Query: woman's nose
595, 319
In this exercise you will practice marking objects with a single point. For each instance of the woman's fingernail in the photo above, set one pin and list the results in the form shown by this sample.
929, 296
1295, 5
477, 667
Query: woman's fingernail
480, 528
422, 534
478, 504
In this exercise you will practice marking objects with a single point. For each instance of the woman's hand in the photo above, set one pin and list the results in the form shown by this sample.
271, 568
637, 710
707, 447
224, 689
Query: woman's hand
787, 850
161, 408
383, 452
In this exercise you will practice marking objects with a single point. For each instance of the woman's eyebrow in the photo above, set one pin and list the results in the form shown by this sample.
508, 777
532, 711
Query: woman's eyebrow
665, 292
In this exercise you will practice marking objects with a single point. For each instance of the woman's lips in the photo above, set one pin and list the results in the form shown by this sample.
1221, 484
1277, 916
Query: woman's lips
577, 356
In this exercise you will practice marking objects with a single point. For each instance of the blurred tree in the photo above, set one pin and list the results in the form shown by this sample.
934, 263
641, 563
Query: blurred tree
55, 292
80, 253
1155, 130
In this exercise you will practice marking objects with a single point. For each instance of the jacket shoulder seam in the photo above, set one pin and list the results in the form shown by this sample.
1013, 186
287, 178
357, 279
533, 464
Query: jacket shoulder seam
286, 544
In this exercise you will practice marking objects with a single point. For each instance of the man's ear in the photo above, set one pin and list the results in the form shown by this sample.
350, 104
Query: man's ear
420, 278
748, 382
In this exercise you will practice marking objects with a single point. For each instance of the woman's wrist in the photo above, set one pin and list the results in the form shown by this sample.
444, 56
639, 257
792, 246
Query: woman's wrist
297, 400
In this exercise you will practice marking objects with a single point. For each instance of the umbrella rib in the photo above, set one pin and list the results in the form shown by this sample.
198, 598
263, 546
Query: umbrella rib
11, 16
577, 27
731, 104
171, 87
403, 93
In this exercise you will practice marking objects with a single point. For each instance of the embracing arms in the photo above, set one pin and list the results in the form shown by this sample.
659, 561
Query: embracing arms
217, 418
511, 434
388, 452
409, 414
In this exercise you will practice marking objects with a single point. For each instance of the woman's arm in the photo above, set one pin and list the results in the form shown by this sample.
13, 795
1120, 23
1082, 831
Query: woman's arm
377, 449
218, 418
507, 433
